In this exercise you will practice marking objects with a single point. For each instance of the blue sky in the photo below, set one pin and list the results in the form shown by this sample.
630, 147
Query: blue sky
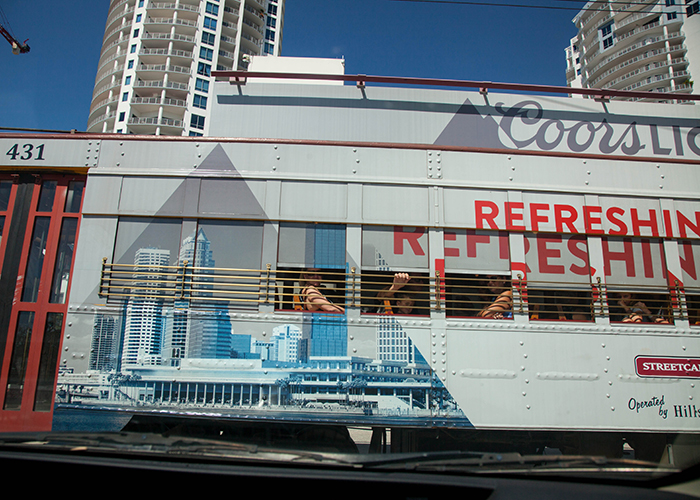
51, 86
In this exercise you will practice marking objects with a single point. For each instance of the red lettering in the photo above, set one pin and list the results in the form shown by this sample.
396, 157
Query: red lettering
411, 236
687, 259
503, 246
544, 254
591, 215
668, 224
574, 246
479, 206
451, 252
610, 214
684, 222
473, 239
568, 221
512, 216
535, 218
652, 223
526, 242
646, 259
626, 256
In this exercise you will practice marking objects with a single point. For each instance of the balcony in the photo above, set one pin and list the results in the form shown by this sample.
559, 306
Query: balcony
229, 40
149, 125
106, 88
253, 26
649, 68
175, 37
126, 28
188, 26
634, 21
112, 47
226, 54
97, 106
117, 16
651, 56
153, 103
99, 120
109, 72
684, 88
631, 50
154, 72
630, 43
642, 30
155, 56
160, 84
256, 43
172, 6
98, 110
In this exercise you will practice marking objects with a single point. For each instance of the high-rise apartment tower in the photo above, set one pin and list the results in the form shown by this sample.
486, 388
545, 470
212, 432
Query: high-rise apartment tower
641, 45
154, 73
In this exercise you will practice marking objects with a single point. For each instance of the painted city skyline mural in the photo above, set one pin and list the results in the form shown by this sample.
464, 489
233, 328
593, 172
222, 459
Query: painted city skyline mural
206, 355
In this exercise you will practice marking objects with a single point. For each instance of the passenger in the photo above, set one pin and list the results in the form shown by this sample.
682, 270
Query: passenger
502, 305
570, 309
311, 296
463, 297
392, 299
637, 311
693, 306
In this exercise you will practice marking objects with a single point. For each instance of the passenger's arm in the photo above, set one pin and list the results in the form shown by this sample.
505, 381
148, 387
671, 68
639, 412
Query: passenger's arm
400, 279
316, 301
502, 304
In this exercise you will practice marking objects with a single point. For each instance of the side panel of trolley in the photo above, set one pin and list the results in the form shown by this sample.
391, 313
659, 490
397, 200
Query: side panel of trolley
187, 294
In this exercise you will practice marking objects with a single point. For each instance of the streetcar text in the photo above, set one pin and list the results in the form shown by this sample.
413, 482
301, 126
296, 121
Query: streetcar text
26, 152
654, 402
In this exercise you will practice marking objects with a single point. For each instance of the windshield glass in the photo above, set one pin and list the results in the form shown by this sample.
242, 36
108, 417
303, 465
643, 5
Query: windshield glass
358, 272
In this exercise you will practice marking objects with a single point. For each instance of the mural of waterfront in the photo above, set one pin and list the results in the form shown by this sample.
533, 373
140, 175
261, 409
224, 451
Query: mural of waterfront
159, 354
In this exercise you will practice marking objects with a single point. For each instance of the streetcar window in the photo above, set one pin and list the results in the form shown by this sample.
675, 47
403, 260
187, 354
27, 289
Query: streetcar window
476, 251
639, 307
689, 253
395, 293
43, 396
693, 306
479, 295
5, 189
291, 283
318, 249
46, 196
561, 305
635, 270
145, 233
558, 287
311, 245
74, 196
35, 261
465, 294
64, 258
395, 248
18, 361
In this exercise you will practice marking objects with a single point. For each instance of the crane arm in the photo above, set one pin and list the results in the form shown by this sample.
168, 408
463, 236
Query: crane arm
17, 47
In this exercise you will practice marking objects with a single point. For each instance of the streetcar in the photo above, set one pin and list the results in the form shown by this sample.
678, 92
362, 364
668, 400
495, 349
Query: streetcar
450, 269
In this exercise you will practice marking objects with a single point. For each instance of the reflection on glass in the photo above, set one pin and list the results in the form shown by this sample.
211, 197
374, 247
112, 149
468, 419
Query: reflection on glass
48, 192
74, 196
36, 259
5, 188
18, 362
43, 399
64, 257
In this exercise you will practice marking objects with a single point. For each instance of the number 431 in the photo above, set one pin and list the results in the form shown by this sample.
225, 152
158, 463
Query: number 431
26, 152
